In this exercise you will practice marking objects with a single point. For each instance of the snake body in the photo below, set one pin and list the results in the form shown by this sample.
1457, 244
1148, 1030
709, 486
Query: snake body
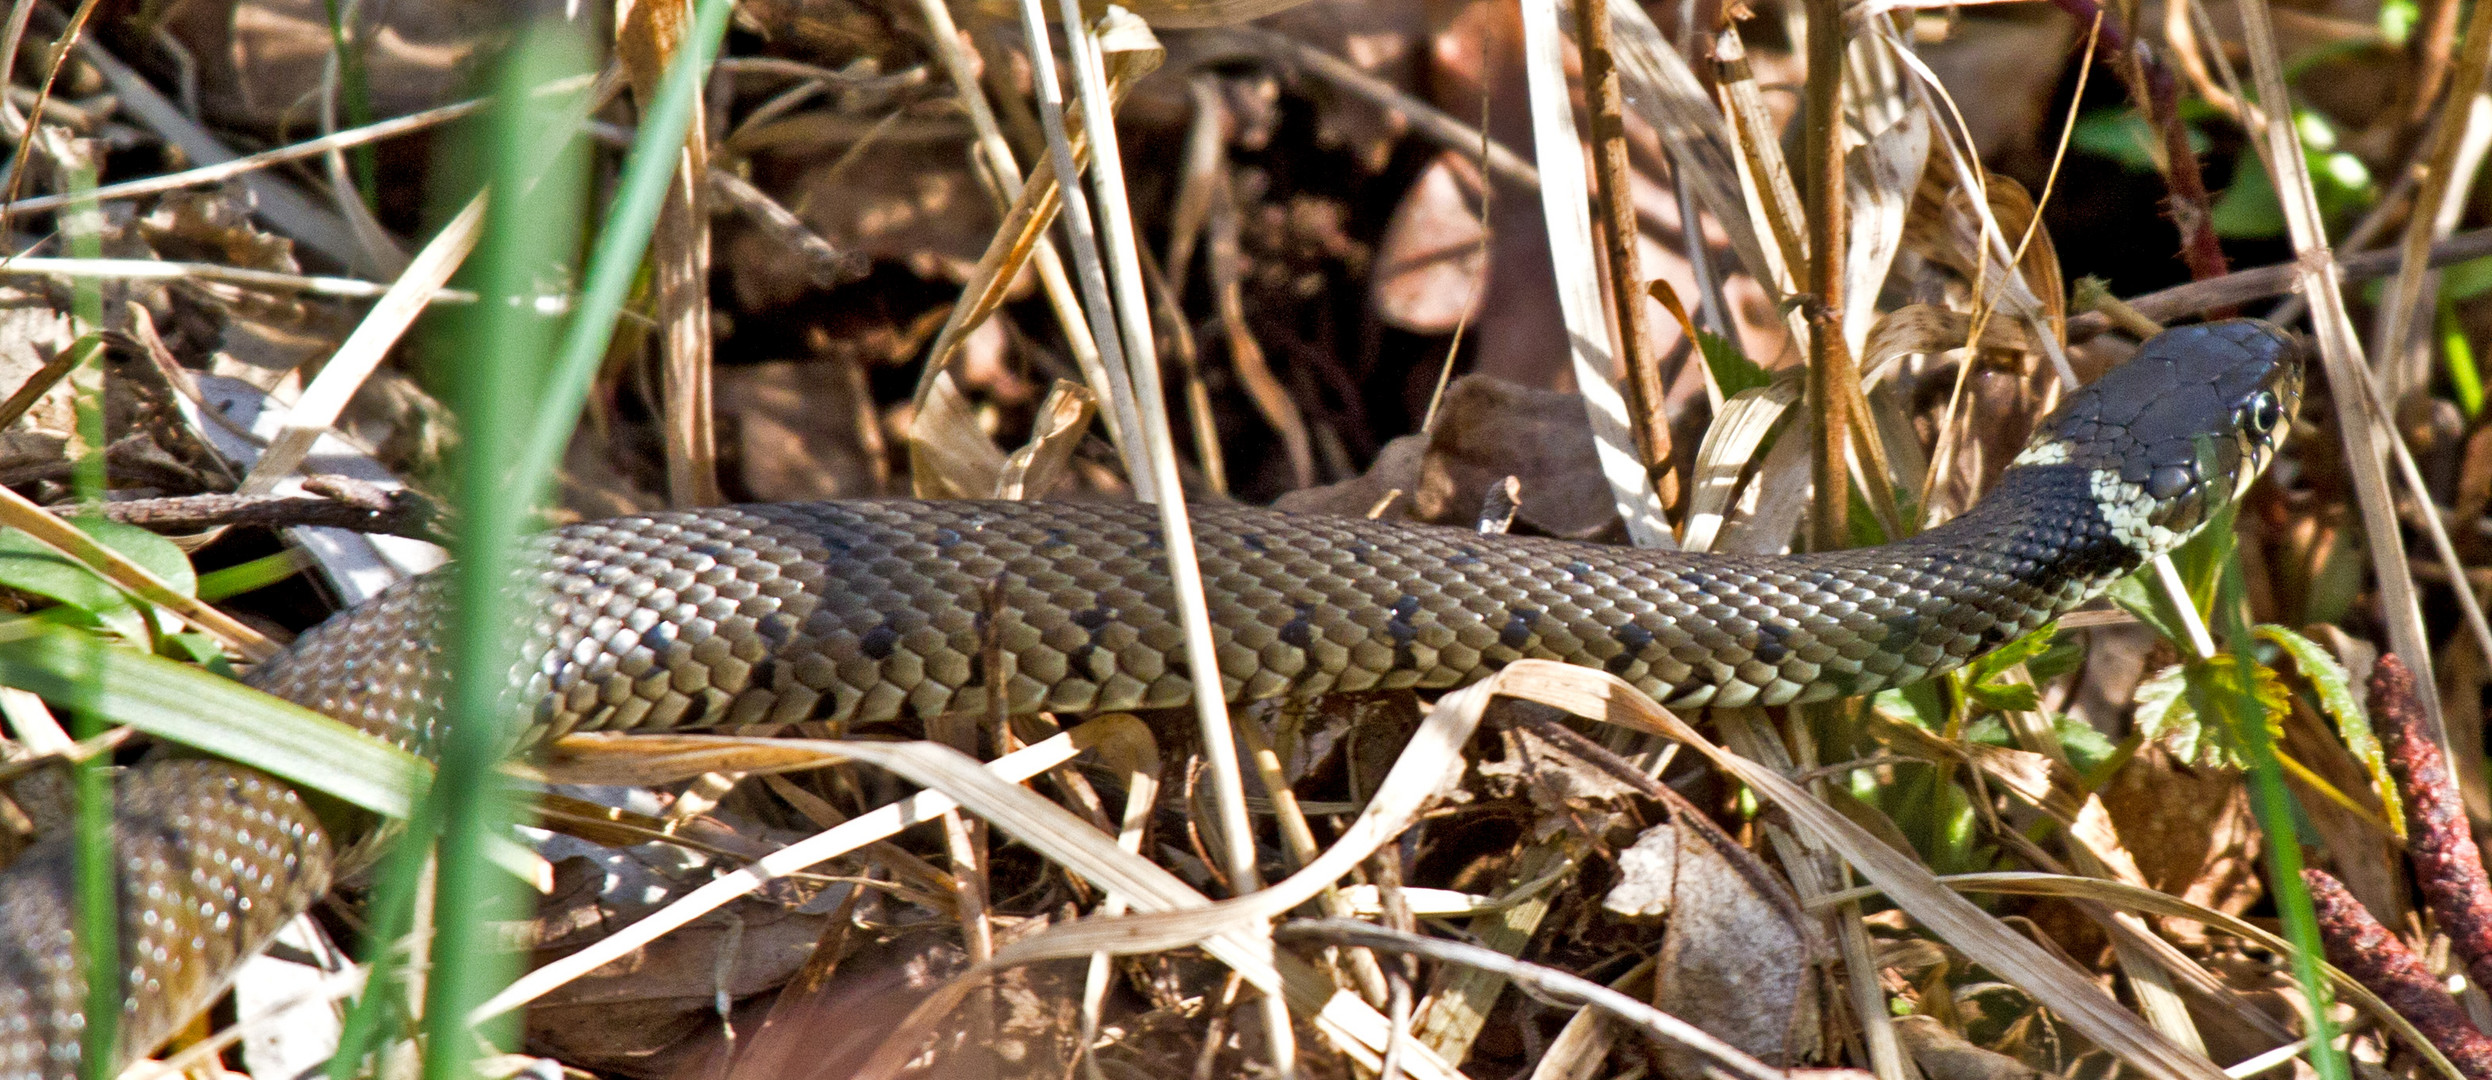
877, 610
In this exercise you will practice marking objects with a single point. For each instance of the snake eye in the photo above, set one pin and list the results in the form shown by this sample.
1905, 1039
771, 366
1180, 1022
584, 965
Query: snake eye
2264, 413
2169, 482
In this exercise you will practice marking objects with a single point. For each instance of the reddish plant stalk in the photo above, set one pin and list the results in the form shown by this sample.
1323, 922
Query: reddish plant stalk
2366, 950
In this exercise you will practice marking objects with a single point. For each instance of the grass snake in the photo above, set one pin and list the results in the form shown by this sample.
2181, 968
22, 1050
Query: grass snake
875, 610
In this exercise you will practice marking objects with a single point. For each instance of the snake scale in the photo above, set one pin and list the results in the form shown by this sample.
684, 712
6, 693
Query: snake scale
877, 610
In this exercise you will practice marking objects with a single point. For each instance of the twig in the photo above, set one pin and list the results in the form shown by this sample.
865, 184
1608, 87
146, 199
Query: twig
340, 503
1614, 195
2242, 286
1833, 379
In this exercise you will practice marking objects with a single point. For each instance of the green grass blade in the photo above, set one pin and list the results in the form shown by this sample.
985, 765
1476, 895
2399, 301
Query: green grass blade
180, 703
496, 385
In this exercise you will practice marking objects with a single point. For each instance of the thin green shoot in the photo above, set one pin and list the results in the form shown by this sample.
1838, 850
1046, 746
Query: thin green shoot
98, 914
2273, 804
495, 385
258, 573
354, 83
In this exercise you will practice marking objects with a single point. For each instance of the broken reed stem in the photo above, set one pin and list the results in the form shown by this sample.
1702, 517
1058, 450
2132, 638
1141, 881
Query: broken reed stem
1615, 200
1830, 368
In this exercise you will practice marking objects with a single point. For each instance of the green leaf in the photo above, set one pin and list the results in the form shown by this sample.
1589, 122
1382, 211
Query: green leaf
1732, 370
2248, 210
2138, 598
2336, 698
2175, 705
1918, 704
183, 704
30, 567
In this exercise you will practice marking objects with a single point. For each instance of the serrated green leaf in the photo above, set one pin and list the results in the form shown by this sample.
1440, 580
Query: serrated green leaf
2336, 698
2175, 705
183, 704
2007, 656
30, 567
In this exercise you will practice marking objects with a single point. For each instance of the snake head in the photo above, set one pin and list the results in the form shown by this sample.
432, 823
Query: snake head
2178, 432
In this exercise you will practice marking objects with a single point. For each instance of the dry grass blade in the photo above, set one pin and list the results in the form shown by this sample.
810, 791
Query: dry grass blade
1033, 471
651, 33
362, 351
165, 270
2449, 165
276, 200
2366, 447
1730, 444
613, 760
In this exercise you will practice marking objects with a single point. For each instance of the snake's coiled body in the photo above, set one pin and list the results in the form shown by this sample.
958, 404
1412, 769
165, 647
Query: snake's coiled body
879, 610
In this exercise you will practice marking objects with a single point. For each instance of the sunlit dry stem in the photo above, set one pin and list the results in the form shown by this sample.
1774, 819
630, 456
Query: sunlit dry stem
1830, 369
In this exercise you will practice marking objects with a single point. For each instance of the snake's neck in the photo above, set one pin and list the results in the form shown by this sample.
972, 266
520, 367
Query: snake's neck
2054, 530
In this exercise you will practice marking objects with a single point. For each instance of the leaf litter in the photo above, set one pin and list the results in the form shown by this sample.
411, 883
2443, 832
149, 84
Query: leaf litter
1344, 247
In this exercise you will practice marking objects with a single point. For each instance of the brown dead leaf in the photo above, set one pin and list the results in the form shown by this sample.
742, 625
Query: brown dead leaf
625, 1016
1433, 260
1487, 430
1731, 962
2191, 832
260, 61
1945, 1055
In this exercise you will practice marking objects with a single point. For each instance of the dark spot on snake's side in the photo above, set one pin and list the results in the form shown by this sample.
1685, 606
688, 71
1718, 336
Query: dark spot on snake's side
1299, 632
1464, 557
879, 643
1518, 629
1254, 542
776, 628
1403, 632
944, 538
1092, 619
1359, 550
1769, 646
1578, 569
1696, 579
1635, 639
1901, 627
659, 637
